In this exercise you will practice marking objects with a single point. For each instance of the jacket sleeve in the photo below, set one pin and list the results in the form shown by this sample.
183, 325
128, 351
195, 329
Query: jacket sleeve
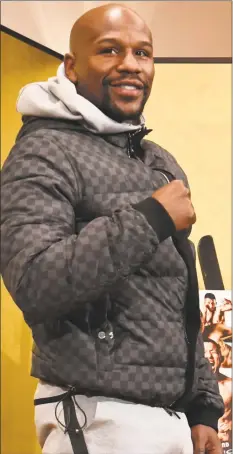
48, 269
206, 406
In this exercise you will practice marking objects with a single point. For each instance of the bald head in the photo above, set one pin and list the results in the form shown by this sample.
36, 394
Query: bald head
106, 17
111, 60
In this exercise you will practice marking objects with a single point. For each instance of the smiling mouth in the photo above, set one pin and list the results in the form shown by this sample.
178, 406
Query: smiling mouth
127, 90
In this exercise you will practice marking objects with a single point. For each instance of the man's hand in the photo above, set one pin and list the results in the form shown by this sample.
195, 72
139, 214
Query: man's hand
227, 305
175, 198
205, 440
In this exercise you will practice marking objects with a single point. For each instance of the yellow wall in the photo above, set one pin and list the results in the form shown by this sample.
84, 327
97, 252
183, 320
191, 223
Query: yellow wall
189, 110
21, 64
190, 113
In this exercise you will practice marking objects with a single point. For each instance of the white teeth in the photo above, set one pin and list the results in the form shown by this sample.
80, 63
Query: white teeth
128, 87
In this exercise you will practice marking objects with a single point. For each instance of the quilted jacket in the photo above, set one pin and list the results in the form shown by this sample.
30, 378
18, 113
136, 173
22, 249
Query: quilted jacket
106, 285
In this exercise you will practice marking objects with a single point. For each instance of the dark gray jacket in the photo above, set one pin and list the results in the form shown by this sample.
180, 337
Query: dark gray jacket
97, 269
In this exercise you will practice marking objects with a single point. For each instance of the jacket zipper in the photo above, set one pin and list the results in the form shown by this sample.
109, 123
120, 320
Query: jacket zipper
184, 325
185, 331
187, 343
183, 320
130, 152
130, 148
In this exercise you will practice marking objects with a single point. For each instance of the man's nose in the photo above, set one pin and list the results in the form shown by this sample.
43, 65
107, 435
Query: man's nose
129, 63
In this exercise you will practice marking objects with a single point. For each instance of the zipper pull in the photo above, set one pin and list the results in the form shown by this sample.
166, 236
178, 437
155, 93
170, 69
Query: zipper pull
138, 136
172, 412
130, 149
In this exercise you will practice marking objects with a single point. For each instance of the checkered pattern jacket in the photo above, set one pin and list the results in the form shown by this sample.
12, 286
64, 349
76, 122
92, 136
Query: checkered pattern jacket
89, 258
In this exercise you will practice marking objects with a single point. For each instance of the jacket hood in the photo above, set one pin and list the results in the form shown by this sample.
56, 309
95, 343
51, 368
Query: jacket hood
57, 98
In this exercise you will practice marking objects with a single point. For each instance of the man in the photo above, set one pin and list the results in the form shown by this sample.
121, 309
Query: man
214, 314
96, 255
213, 354
209, 308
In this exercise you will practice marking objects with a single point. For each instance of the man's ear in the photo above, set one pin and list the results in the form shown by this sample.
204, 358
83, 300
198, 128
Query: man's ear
69, 63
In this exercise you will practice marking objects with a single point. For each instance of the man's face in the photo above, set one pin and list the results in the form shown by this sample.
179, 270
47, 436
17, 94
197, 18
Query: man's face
210, 304
115, 71
213, 356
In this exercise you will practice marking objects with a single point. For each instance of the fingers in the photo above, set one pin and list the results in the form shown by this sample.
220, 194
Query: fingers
203, 450
199, 450
199, 444
205, 440
176, 199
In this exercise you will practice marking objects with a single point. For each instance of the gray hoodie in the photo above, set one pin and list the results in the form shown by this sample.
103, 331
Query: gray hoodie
57, 98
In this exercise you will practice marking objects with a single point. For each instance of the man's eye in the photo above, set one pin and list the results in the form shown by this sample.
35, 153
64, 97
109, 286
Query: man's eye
109, 50
142, 53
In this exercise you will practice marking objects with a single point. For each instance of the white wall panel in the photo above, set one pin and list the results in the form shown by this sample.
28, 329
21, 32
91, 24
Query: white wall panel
180, 28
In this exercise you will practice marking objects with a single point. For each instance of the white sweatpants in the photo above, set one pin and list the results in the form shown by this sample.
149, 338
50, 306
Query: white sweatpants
113, 427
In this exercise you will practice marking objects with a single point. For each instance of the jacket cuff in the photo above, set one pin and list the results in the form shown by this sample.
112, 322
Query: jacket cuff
205, 416
157, 217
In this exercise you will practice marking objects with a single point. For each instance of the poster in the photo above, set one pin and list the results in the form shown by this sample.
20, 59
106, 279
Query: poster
216, 327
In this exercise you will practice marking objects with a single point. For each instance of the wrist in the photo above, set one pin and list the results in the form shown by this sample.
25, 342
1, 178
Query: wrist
157, 217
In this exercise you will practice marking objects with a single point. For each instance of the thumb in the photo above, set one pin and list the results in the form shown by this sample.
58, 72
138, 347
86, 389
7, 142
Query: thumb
198, 445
